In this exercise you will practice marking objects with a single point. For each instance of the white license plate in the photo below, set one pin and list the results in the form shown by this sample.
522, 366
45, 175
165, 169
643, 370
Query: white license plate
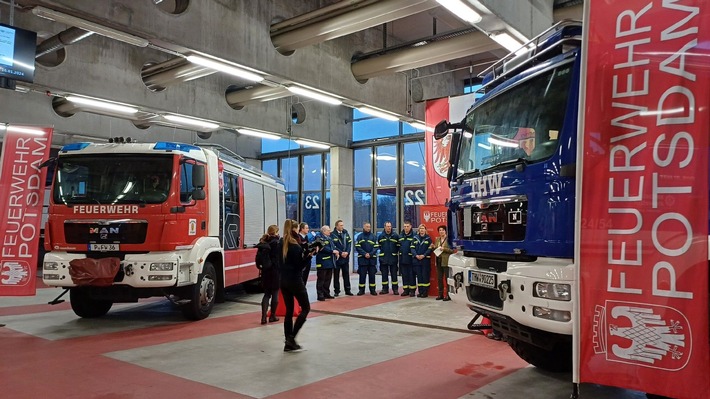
103, 247
483, 279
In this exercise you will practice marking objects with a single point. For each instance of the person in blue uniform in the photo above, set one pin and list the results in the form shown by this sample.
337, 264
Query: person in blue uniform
388, 242
325, 263
343, 243
421, 253
366, 247
406, 237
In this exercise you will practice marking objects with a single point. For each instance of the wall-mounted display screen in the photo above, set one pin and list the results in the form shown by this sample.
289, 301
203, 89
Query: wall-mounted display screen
17, 53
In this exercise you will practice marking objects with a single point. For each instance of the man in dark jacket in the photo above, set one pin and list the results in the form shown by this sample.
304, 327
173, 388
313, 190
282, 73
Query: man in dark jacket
388, 241
325, 263
405, 260
366, 247
343, 243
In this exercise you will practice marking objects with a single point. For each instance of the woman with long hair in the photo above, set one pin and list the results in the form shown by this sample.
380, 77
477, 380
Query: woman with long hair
270, 275
442, 250
291, 265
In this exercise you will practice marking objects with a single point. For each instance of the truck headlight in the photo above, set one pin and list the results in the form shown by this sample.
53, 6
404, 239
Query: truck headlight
555, 291
50, 266
551, 314
161, 266
153, 277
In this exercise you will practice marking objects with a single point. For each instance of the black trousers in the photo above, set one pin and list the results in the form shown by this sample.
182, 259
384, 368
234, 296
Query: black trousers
345, 270
387, 270
291, 290
367, 271
323, 282
306, 272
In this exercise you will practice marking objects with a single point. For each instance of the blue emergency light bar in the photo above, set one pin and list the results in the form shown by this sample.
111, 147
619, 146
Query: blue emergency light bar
170, 146
74, 147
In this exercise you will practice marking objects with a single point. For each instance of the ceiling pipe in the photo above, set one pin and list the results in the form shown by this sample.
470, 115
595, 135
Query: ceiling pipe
439, 51
157, 77
238, 99
61, 40
361, 18
415, 57
319, 14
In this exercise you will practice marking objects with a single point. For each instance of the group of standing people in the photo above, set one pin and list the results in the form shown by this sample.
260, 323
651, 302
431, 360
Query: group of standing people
406, 252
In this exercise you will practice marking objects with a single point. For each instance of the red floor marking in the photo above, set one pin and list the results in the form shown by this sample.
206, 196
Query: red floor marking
449, 370
30, 309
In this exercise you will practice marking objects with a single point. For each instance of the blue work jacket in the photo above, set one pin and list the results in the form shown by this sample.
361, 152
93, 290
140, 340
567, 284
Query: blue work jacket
389, 247
366, 244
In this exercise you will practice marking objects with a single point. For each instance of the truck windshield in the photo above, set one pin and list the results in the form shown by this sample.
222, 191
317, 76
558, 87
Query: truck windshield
522, 123
125, 179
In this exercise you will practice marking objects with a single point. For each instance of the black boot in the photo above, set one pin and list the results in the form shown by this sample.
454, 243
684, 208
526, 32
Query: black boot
405, 292
263, 318
290, 344
273, 318
395, 291
361, 292
373, 292
385, 290
348, 293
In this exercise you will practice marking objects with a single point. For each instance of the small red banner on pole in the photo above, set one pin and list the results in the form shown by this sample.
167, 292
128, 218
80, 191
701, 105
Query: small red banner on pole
22, 183
643, 244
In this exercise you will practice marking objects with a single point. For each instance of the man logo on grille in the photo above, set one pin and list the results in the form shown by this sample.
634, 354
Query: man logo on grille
14, 273
643, 334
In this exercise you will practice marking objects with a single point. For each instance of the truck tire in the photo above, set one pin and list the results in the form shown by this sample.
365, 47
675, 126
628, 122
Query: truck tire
84, 306
559, 359
202, 295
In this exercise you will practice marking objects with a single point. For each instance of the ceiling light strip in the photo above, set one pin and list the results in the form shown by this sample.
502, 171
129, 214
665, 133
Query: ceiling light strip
102, 104
379, 114
254, 133
329, 99
191, 121
461, 10
308, 143
222, 66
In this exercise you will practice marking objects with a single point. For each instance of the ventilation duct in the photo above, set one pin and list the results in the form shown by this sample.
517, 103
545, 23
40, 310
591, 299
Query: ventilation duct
157, 77
61, 40
239, 98
290, 35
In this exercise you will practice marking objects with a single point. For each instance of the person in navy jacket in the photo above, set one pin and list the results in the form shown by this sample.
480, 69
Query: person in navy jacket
388, 241
406, 238
343, 243
325, 263
366, 247
421, 259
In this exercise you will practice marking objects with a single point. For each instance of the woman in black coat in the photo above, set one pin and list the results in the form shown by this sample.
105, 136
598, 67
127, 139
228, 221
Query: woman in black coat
291, 266
270, 275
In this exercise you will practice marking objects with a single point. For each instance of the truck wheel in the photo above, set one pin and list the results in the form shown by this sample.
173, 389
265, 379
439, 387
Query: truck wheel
202, 294
558, 359
84, 306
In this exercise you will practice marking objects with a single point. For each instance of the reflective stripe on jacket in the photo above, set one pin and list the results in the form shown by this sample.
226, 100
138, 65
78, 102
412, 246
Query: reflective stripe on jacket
366, 243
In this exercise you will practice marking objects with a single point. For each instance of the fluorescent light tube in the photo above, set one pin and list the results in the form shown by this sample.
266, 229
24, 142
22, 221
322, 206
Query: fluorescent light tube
191, 121
67, 19
502, 143
314, 95
313, 144
379, 114
254, 133
224, 67
506, 40
102, 104
3, 126
461, 10
417, 125
24, 130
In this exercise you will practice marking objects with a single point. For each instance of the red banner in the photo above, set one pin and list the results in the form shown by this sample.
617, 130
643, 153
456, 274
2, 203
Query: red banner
453, 109
22, 182
432, 216
643, 243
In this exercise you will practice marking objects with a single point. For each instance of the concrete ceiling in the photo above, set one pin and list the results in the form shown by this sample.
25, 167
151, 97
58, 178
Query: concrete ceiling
238, 32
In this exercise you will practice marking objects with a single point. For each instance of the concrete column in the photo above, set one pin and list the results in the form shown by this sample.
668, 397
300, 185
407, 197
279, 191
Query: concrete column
341, 188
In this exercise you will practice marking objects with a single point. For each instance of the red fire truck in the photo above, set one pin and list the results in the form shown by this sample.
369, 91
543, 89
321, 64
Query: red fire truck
137, 220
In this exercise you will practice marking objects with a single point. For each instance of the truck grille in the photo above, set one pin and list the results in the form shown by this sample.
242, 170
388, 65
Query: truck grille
504, 221
124, 232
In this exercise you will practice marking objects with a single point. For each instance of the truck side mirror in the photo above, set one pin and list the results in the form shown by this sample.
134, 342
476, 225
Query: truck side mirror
198, 176
441, 129
198, 181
